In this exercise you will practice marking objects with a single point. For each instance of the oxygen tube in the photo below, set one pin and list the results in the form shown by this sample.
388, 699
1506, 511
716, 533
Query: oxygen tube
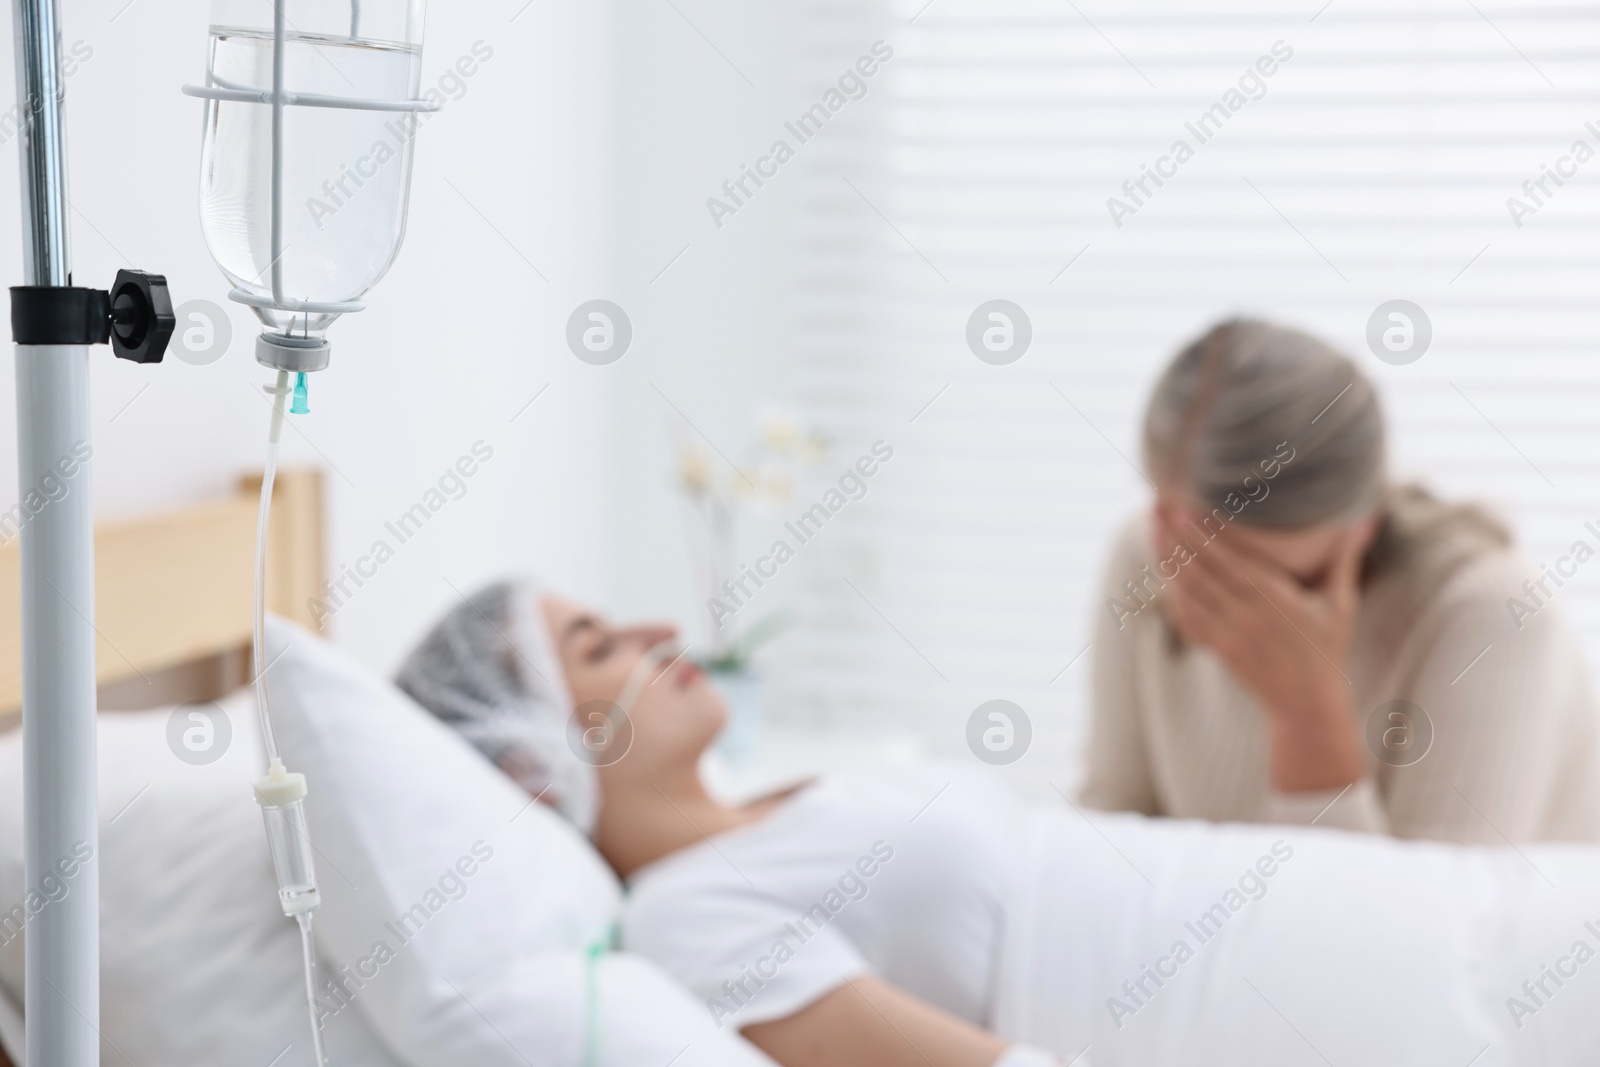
282, 793
660, 655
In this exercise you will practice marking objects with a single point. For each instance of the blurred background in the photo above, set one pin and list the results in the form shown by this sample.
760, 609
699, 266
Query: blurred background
1397, 151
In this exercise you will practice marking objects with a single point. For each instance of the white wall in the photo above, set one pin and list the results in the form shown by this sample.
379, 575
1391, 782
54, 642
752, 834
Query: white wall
711, 334
458, 337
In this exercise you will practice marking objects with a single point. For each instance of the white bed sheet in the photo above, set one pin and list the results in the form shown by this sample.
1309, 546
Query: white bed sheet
1354, 950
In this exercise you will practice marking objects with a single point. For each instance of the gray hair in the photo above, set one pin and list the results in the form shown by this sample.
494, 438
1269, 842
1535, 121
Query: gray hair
1240, 397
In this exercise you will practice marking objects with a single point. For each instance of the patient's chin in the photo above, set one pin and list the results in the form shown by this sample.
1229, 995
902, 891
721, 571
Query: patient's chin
711, 717
716, 710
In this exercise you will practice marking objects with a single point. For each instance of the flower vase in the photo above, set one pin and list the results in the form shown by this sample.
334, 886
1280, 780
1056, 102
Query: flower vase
742, 690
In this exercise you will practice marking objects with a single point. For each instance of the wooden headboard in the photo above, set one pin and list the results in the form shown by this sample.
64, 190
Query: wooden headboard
174, 591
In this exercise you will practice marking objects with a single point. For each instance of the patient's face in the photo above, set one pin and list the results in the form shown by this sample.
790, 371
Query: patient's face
677, 713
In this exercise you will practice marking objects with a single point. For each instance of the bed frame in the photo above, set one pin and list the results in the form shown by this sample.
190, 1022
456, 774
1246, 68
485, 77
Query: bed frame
174, 593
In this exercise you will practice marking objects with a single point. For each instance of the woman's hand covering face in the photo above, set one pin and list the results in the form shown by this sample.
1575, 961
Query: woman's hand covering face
1276, 635
1285, 640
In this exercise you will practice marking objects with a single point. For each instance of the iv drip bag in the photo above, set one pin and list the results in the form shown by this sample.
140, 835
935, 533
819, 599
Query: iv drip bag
311, 111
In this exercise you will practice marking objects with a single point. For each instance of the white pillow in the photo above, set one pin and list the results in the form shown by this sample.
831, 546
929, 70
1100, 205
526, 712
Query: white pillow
463, 910
198, 964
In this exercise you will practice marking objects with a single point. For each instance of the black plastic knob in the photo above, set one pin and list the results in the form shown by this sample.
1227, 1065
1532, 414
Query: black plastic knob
142, 321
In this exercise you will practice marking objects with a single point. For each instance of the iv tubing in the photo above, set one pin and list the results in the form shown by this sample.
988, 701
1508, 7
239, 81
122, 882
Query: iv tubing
263, 515
279, 390
308, 951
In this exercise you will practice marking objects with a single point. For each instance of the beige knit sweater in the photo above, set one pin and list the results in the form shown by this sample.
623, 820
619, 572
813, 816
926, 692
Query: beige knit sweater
1515, 751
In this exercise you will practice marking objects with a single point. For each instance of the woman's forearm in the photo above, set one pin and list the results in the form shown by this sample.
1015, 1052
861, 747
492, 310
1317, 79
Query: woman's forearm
1314, 744
869, 1023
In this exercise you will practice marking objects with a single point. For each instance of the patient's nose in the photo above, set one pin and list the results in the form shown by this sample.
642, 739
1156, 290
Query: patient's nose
656, 633
646, 638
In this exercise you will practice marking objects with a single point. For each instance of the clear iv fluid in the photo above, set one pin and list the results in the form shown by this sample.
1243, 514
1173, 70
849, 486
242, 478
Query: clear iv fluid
346, 172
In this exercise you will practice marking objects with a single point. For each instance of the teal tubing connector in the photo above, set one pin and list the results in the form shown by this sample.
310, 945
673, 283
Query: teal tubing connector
593, 957
300, 407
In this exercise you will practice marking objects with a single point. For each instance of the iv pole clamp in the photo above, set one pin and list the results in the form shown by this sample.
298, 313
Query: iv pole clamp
135, 316
53, 325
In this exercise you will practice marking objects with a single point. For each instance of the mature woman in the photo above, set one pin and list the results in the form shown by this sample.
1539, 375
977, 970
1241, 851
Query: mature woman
907, 919
1288, 637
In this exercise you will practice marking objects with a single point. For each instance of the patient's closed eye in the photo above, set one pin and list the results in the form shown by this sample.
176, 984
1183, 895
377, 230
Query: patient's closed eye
590, 641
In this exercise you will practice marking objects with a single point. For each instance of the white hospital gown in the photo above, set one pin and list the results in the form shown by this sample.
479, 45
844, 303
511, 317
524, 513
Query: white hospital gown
904, 876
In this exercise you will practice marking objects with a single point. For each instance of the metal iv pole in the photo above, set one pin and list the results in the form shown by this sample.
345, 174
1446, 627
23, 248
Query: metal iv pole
54, 324
62, 996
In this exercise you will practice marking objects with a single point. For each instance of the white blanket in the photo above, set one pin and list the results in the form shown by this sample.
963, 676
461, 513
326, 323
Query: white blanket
1155, 942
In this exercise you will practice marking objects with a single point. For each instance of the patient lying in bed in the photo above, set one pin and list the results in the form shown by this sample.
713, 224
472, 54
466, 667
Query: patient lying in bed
932, 918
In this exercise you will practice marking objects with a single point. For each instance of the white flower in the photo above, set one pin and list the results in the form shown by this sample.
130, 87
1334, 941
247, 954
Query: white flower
780, 432
694, 470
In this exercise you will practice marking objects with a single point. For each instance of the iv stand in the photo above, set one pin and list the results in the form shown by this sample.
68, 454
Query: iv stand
58, 679
54, 324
